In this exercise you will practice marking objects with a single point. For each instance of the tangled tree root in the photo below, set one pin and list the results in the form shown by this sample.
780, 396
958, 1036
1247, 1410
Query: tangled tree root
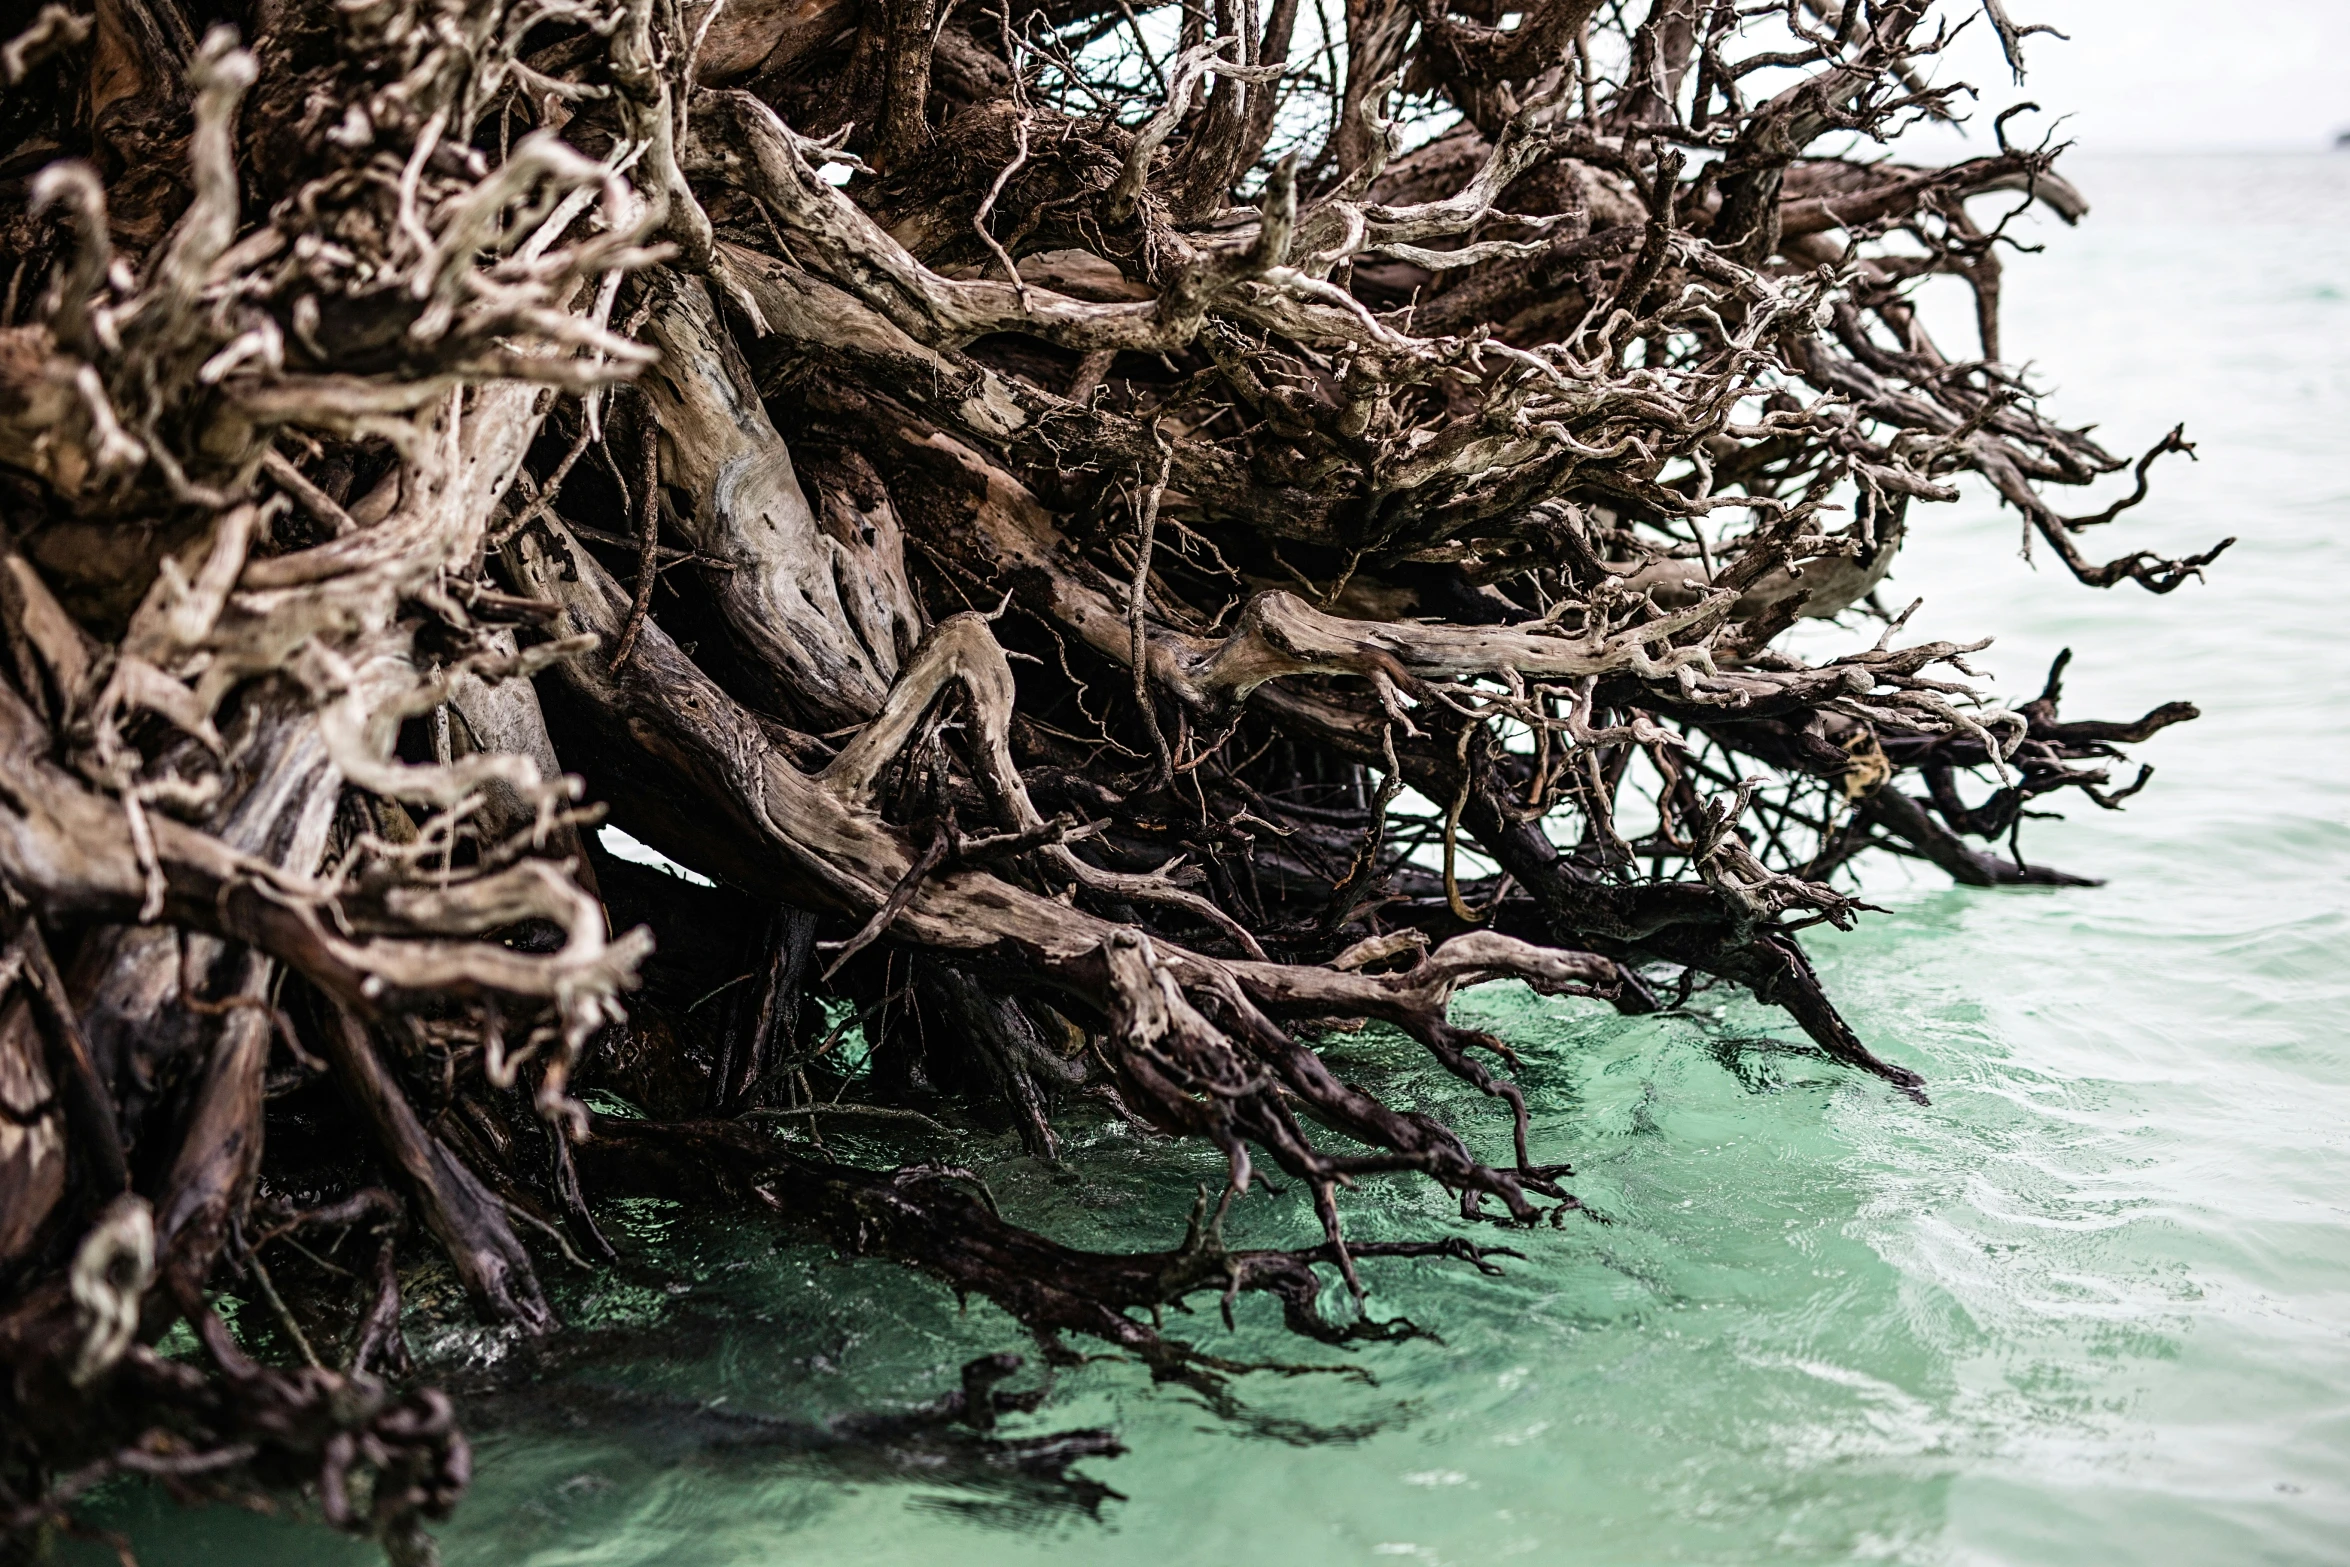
1110, 550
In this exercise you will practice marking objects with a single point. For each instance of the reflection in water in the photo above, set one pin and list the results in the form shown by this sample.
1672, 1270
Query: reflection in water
942, 1444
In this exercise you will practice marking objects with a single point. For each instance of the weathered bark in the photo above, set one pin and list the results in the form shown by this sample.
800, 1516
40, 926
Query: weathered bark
32, 1134
463, 1215
822, 620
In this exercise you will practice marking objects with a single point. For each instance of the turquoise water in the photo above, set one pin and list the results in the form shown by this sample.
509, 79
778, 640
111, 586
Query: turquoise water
2092, 1305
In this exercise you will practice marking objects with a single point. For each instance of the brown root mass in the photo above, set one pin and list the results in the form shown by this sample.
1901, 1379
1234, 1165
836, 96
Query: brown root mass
1117, 538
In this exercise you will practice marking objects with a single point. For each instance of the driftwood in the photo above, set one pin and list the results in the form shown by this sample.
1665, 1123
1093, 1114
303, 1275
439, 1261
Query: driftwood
1113, 539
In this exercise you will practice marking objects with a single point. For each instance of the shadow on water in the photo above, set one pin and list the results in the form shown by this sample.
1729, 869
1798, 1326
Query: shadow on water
941, 1444
678, 1360
688, 1370
1762, 1063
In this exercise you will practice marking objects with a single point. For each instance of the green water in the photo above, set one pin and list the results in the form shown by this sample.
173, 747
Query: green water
2092, 1305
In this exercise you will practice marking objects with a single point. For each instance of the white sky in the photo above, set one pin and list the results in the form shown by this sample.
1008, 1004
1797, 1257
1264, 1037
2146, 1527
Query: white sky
2169, 75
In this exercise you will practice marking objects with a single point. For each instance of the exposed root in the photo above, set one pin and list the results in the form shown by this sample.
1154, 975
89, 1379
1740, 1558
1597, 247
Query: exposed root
1098, 595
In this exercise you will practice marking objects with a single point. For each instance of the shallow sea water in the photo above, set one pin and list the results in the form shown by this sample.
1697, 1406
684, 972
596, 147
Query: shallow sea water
2092, 1305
